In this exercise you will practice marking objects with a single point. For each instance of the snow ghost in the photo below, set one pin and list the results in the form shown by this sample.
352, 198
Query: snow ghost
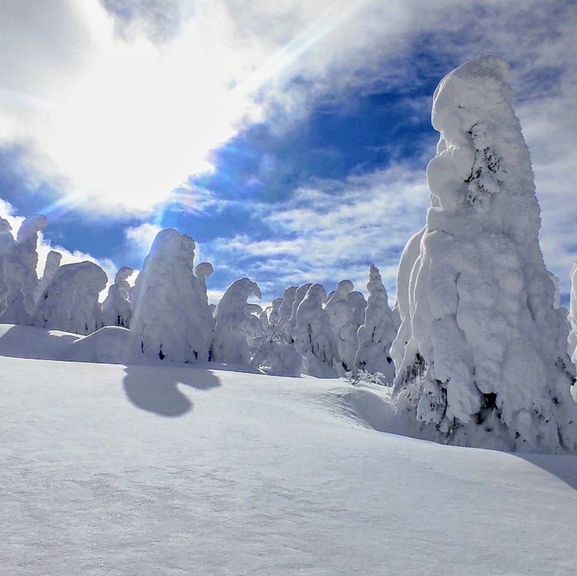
313, 336
19, 271
485, 360
70, 303
116, 307
50, 268
235, 324
377, 332
171, 318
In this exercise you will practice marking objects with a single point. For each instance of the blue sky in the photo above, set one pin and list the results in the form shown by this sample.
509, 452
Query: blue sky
289, 138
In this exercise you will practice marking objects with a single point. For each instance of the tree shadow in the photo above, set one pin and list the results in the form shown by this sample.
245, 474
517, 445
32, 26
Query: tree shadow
157, 389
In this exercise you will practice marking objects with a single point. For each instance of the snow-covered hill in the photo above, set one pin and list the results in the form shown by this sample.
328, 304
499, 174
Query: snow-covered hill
174, 470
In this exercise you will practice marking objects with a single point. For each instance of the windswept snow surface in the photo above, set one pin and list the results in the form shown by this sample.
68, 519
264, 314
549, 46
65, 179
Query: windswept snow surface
178, 470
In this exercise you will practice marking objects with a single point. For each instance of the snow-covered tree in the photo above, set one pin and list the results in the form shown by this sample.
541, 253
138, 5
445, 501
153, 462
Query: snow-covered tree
70, 303
234, 324
284, 326
377, 332
313, 336
51, 266
7, 243
340, 311
170, 314
486, 361
573, 316
20, 275
116, 307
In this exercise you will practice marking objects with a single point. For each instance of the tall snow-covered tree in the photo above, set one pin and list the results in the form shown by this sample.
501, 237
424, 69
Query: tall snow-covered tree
170, 315
377, 332
7, 243
51, 266
70, 303
340, 310
20, 275
234, 324
313, 336
116, 306
486, 359
573, 316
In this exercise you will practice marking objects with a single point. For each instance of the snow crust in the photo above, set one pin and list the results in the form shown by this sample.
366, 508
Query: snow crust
486, 355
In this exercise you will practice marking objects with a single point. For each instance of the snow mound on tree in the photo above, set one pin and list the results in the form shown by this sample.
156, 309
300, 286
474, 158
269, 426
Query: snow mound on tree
486, 357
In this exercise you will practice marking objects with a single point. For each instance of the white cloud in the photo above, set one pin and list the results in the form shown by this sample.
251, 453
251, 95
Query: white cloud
142, 236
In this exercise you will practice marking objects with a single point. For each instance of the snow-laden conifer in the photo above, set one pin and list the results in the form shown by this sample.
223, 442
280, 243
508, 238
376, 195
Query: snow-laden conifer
234, 324
20, 275
377, 332
116, 306
170, 315
486, 361
70, 302
51, 266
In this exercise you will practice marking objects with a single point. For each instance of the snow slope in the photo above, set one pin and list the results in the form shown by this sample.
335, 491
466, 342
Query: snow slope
178, 470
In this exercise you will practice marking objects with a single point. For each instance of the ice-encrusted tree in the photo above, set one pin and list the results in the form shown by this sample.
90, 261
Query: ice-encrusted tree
313, 336
70, 303
573, 316
170, 315
377, 332
116, 306
486, 359
234, 324
340, 310
7, 243
20, 275
51, 266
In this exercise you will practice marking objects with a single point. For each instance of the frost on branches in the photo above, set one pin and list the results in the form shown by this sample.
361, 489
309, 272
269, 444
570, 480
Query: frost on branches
116, 307
170, 315
486, 358
70, 303
235, 324
19, 273
377, 332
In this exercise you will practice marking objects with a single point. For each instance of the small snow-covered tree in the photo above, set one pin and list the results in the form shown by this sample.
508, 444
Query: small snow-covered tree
486, 358
234, 324
70, 303
116, 307
377, 332
313, 336
20, 275
51, 266
284, 326
7, 243
170, 314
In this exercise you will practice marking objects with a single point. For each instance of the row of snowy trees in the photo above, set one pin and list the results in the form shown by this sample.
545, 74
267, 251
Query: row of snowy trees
481, 346
169, 316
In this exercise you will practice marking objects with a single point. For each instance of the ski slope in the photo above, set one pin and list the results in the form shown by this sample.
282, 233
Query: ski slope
173, 470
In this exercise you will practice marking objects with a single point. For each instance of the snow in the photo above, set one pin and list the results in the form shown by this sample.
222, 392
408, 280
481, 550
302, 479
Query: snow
485, 360
174, 469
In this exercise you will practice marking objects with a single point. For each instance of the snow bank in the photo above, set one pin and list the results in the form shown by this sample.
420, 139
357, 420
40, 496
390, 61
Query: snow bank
486, 357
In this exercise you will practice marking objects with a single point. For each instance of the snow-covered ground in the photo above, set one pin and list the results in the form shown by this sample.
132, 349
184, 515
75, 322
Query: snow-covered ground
175, 470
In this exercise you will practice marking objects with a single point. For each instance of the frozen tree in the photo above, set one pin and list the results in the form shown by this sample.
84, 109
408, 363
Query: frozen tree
573, 316
116, 307
377, 332
234, 324
340, 312
284, 326
313, 336
50, 268
20, 275
170, 314
274, 312
203, 272
70, 303
7, 244
486, 358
